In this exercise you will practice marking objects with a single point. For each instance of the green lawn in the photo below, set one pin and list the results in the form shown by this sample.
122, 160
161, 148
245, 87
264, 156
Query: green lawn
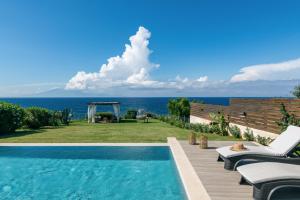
81, 131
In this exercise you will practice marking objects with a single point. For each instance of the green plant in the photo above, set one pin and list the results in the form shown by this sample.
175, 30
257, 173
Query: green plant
11, 117
235, 131
37, 117
287, 118
180, 108
105, 116
296, 91
66, 116
220, 121
131, 114
248, 135
214, 128
55, 118
263, 140
187, 126
205, 128
179, 123
196, 127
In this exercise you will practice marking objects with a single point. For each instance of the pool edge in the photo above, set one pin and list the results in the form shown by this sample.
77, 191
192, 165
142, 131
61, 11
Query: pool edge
192, 184
84, 144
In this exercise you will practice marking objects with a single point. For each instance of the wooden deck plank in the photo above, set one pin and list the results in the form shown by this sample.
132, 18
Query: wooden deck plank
219, 183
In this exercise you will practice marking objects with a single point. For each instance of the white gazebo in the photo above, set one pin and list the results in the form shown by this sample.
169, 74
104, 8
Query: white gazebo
92, 108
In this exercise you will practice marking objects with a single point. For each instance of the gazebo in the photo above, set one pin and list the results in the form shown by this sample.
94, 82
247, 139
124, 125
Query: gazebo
92, 108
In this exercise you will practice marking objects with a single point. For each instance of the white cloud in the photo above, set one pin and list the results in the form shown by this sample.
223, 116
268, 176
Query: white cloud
287, 70
131, 70
132, 67
202, 79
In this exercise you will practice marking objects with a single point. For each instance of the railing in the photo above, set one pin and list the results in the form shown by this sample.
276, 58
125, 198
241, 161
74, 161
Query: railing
255, 113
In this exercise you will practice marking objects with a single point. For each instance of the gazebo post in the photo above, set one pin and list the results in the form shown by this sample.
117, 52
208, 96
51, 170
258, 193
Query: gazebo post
117, 111
89, 114
94, 113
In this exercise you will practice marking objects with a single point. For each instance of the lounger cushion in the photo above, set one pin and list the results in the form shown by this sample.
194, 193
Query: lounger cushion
281, 146
269, 171
260, 150
286, 141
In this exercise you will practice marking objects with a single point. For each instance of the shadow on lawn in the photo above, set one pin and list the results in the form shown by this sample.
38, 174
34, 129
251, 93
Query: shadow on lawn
136, 121
128, 121
20, 133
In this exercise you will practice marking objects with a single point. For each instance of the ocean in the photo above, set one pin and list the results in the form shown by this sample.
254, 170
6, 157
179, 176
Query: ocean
157, 105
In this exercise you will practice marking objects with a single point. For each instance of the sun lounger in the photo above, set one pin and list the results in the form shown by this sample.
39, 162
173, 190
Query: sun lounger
283, 146
268, 178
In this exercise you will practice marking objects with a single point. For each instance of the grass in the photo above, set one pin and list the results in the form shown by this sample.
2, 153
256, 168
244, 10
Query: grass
81, 131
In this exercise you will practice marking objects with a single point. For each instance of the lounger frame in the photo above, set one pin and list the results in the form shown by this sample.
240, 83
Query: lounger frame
265, 190
233, 162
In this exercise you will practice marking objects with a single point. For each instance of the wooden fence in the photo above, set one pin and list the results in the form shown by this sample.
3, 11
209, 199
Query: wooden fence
255, 113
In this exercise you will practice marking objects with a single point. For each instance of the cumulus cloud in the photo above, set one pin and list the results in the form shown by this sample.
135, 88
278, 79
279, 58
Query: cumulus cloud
131, 70
202, 79
287, 70
132, 67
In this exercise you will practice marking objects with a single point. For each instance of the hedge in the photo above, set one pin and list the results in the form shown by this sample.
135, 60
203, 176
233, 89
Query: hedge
11, 117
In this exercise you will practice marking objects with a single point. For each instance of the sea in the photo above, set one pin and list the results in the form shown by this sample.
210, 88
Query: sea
157, 105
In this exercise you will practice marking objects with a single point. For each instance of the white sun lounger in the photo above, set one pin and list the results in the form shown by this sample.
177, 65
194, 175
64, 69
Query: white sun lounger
267, 177
283, 146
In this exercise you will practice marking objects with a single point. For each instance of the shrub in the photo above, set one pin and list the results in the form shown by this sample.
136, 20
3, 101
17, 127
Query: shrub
66, 115
187, 126
11, 117
199, 127
248, 135
196, 127
179, 123
214, 128
105, 115
37, 117
235, 131
220, 121
55, 118
263, 140
161, 118
202, 128
131, 114
287, 118
205, 128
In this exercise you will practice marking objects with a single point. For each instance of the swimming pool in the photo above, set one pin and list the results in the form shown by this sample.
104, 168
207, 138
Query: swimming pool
89, 172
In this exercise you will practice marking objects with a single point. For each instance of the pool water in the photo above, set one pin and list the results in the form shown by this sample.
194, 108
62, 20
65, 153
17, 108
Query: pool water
129, 173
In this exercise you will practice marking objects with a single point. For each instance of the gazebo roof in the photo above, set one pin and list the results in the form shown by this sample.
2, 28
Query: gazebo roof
104, 103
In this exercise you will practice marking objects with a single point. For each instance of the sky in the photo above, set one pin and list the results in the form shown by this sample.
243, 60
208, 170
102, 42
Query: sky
149, 48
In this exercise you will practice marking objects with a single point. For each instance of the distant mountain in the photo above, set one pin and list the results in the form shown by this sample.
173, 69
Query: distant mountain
280, 88
60, 92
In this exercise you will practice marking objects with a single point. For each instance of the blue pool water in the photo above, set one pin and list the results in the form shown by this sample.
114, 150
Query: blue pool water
127, 173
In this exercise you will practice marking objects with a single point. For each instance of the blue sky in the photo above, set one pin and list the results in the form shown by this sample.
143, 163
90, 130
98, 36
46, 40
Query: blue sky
43, 44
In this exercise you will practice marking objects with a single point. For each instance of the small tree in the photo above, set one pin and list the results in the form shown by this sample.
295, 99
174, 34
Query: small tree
296, 91
287, 118
180, 108
184, 108
172, 107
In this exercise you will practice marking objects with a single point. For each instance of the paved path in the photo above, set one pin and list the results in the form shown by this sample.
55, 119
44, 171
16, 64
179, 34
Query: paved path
219, 183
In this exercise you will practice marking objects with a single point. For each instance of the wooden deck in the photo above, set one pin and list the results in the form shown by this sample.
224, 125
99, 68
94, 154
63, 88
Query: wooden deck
219, 183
